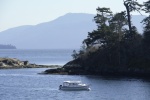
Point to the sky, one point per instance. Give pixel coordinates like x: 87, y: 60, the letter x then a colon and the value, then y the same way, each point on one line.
x: 14, y: 13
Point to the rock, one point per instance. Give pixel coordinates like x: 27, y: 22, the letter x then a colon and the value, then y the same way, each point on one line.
x: 2, y: 64
x: 26, y: 62
x: 6, y: 63
x: 55, y: 71
x: 70, y: 68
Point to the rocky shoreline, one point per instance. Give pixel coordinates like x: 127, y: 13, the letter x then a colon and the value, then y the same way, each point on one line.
x: 13, y: 63
x: 75, y: 68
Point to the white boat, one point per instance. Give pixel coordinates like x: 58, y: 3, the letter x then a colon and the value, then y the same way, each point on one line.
x: 74, y: 85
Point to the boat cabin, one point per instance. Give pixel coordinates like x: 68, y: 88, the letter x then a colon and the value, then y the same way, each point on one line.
x: 71, y: 83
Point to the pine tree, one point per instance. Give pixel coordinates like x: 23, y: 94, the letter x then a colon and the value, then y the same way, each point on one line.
x: 131, y: 5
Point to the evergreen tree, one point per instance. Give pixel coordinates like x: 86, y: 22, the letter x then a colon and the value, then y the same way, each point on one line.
x: 131, y: 5
x: 117, y: 24
x: 101, y: 34
x: 146, y: 35
x: 146, y: 21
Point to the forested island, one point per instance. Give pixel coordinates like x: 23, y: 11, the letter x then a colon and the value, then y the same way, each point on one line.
x: 115, y: 47
x: 9, y: 46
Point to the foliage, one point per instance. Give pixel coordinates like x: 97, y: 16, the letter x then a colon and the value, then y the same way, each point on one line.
x: 75, y: 54
x: 146, y: 35
x: 131, y: 5
x: 146, y: 21
x: 147, y: 6
x: 118, y: 49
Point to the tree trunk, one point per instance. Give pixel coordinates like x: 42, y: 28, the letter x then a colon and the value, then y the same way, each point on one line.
x: 129, y: 17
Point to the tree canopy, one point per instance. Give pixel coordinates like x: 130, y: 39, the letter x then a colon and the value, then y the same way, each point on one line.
x: 112, y: 45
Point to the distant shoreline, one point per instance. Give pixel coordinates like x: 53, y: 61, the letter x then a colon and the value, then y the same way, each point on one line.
x: 9, y: 46
x: 13, y: 63
x: 37, y: 66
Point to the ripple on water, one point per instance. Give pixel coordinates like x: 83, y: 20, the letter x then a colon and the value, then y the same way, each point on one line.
x: 25, y: 84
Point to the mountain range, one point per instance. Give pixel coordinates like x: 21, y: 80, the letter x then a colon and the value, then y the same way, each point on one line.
x: 65, y: 32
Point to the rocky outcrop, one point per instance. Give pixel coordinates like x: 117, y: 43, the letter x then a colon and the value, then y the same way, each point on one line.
x: 10, y: 63
x: 71, y: 68
x: 78, y: 67
x: 59, y: 71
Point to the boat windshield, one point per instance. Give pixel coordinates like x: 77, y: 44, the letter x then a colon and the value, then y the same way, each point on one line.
x: 71, y: 83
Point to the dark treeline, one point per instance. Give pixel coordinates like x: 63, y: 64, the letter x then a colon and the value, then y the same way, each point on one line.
x: 2, y: 46
x: 114, y: 47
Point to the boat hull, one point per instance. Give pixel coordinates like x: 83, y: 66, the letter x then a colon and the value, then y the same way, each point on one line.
x: 75, y: 88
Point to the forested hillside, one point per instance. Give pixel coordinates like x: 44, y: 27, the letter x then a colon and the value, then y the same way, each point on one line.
x: 113, y: 48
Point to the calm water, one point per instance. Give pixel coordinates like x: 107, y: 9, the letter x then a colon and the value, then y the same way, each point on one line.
x: 26, y: 84
x: 45, y: 57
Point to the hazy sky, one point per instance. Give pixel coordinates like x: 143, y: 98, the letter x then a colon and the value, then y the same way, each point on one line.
x: 15, y: 13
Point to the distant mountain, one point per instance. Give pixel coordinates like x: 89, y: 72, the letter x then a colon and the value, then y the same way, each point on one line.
x: 65, y: 32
